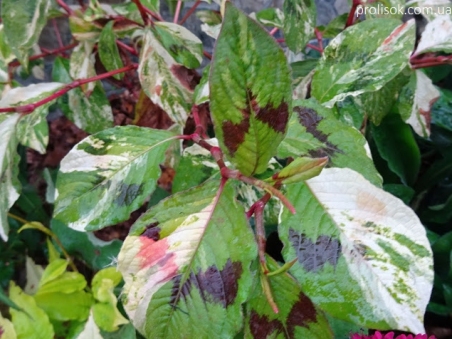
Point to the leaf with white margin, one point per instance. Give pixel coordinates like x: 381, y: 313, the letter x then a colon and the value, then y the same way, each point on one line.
x: 164, y: 80
x: 315, y: 131
x: 186, y: 265
x: 436, y: 36
x: 23, y: 21
x: 109, y: 175
x: 355, y: 63
x: 415, y: 102
x: 299, y: 23
x: 9, y: 169
x: 431, y: 9
x: 32, y: 129
x: 82, y: 64
x: 362, y: 255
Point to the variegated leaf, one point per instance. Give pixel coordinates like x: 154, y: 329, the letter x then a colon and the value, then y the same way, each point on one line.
x: 82, y: 64
x: 23, y: 22
x: 431, y: 9
x: 250, y: 102
x: 108, y: 50
x: 416, y: 101
x: 299, y: 22
x: 109, y: 175
x: 186, y: 265
x: 9, y: 169
x: 355, y: 63
x: 164, y: 80
x: 362, y: 254
x: 315, y: 131
x: 298, y: 317
x: 436, y: 37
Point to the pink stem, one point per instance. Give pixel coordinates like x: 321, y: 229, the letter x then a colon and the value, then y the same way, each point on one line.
x: 143, y: 12
x: 190, y: 12
x: 126, y: 47
x: 16, y: 63
x: 351, y: 14
x: 177, y: 12
x: 77, y: 83
x: 319, y: 37
x: 57, y: 33
x: 315, y: 47
x: 273, y: 31
x: 65, y: 7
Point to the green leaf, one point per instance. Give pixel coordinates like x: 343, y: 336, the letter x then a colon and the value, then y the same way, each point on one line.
x: 23, y: 22
x: 164, y: 80
x: 65, y: 306
x: 183, y: 46
x: 298, y: 317
x: 91, y: 112
x: 186, y: 265
x: 68, y: 282
x: 108, y: 175
x: 300, y: 169
x: 53, y: 271
x: 362, y: 254
x: 335, y: 27
x: 415, y: 102
x: 107, y: 316
x: 396, y: 144
x: 202, y: 93
x: 9, y: 169
x: 299, y: 23
x: 153, y: 5
x: 108, y: 50
x: 441, y: 112
x: 34, y: 324
x: 353, y: 63
x: 109, y: 273
x: 250, y: 102
x: 315, y: 131
x: 125, y: 332
x: 436, y: 37
x: 7, y: 301
x: 273, y: 17
x: 96, y: 253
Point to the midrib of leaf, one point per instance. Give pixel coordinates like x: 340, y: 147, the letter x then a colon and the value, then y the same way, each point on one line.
x: 190, y: 263
x: 123, y: 167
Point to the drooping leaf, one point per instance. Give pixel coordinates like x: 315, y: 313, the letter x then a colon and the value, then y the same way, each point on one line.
x: 299, y: 23
x: 34, y: 322
x: 109, y: 175
x: 250, y: 102
x: 298, y: 316
x: 186, y: 265
x: 362, y: 254
x: 91, y: 111
x: 354, y: 63
x: 183, y: 46
x: 415, y: 102
x: 23, y: 22
x: 315, y: 131
x: 166, y: 82
x: 9, y: 169
x: 108, y: 50
x: 300, y: 169
x: 396, y: 144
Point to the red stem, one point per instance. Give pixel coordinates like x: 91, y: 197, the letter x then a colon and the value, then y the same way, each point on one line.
x: 57, y: 33
x: 190, y: 12
x: 207, y: 55
x: 63, y: 5
x: 315, y: 48
x: 177, y: 12
x: 351, y: 14
x: 319, y: 37
x: 126, y: 47
x: 156, y: 16
x: 260, y: 233
x: 428, y: 60
x: 77, y: 83
x: 16, y: 63
x: 143, y: 12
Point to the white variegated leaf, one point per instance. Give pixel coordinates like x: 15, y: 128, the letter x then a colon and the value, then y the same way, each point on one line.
x: 299, y: 23
x: 82, y: 63
x: 9, y: 168
x: 436, y: 36
x: 362, y: 254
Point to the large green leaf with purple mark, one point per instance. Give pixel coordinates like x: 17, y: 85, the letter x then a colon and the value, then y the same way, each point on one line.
x: 354, y: 63
x: 249, y: 100
x: 299, y: 23
x: 108, y: 175
x: 298, y: 317
x: 187, y: 265
x: 362, y: 255
x: 315, y: 131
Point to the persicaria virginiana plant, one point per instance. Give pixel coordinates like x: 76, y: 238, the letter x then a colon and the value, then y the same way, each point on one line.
x: 268, y: 138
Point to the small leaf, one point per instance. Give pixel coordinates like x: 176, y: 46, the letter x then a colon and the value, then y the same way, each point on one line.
x: 9, y: 168
x: 298, y: 316
x: 362, y: 253
x: 23, y: 22
x: 250, y: 102
x: 108, y: 175
x: 415, y: 102
x: 34, y: 324
x: 353, y: 64
x: 315, y: 131
x: 299, y: 23
x: 186, y: 265
x: 53, y: 271
x: 300, y: 169
x: 108, y: 50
